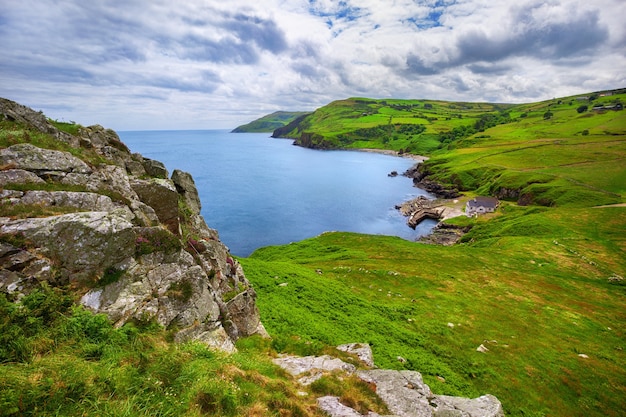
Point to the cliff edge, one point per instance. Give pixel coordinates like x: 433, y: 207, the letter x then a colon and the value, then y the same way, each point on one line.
x: 79, y: 211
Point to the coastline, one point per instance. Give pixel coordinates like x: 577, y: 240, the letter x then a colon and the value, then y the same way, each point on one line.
x: 418, y: 158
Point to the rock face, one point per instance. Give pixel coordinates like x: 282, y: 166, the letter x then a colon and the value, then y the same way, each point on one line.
x: 118, y: 231
x: 420, y: 176
x: 404, y: 392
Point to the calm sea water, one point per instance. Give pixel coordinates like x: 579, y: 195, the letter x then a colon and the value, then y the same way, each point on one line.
x: 259, y: 191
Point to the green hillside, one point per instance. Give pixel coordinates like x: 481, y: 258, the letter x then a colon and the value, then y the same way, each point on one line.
x: 269, y: 123
x: 539, y: 283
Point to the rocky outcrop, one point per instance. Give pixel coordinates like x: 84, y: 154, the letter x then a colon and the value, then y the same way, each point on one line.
x: 111, y: 226
x: 420, y: 176
x: 404, y: 392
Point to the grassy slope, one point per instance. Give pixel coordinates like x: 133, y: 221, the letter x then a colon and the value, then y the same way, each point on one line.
x: 61, y: 360
x: 268, y: 123
x: 337, y: 123
x: 530, y: 283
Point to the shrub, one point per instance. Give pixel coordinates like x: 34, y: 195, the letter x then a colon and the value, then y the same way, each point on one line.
x: 582, y: 109
x: 155, y: 239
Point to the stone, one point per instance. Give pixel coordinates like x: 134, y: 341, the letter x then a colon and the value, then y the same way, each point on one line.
x: 98, y: 250
x: 482, y: 348
x: 31, y: 158
x: 315, y: 366
x: 19, y: 176
x: 331, y: 406
x: 155, y: 169
x: 162, y: 196
x: 83, y: 201
x: 404, y: 392
x: 82, y: 243
x: 483, y: 406
x: 186, y: 187
x: 243, y: 313
x: 362, y: 350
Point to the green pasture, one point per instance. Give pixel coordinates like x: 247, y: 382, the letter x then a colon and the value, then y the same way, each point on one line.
x: 531, y: 285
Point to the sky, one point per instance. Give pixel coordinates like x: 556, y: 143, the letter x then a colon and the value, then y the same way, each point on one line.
x: 209, y: 64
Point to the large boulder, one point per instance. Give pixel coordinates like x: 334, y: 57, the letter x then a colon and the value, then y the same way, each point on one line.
x: 43, y: 162
x: 165, y: 287
x: 84, y: 244
x: 161, y: 195
x: 155, y: 168
x: 18, y: 176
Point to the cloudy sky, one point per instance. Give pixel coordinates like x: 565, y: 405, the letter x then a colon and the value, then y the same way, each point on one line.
x: 201, y: 64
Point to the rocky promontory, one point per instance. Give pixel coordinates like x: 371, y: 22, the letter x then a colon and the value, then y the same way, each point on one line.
x: 80, y: 211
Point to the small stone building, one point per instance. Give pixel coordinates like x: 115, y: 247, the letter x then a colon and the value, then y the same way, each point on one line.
x: 481, y: 205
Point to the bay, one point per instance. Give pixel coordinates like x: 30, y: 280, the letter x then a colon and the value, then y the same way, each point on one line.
x: 259, y: 191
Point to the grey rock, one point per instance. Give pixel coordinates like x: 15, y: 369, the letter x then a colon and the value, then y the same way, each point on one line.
x: 243, y: 312
x: 155, y: 168
x: 19, y: 176
x: 313, y: 366
x: 331, y: 406
x: 26, y: 116
x: 216, y: 337
x: 160, y: 280
x: 186, y: 187
x: 83, y: 243
x: 404, y: 392
x: 31, y: 158
x: 362, y: 350
x: 78, y: 200
x: 162, y: 196
x: 484, y: 406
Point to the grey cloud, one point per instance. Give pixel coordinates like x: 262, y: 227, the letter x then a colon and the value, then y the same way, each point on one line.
x: 553, y: 40
x: 417, y: 65
x: 309, y: 70
x: 225, y: 50
x: 265, y: 33
x: 492, y: 69
x: 243, y: 37
x: 481, y: 52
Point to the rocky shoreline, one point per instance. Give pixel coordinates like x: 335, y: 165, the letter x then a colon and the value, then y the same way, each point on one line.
x: 441, y: 208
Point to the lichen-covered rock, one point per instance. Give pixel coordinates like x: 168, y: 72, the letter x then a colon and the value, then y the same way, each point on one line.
x: 31, y: 158
x: 83, y: 243
x: 363, y: 351
x: 154, y: 168
x: 124, y: 250
x: 162, y: 196
x: 19, y: 176
x: 78, y: 200
x: 187, y: 189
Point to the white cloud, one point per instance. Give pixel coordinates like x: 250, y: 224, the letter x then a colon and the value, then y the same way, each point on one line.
x: 139, y: 64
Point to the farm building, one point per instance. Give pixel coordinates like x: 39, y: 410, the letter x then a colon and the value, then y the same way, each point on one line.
x: 481, y: 205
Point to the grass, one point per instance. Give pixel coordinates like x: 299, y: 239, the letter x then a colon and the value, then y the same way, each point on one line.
x: 529, y: 286
x: 59, y: 359
x: 530, y: 283
x: 12, y: 133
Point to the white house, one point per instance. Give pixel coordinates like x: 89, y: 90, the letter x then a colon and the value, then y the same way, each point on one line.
x: 481, y: 205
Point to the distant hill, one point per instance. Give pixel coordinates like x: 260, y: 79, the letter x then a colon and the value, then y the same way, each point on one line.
x: 270, y: 122
x: 424, y: 126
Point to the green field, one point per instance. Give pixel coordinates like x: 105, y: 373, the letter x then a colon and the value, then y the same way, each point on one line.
x: 531, y: 283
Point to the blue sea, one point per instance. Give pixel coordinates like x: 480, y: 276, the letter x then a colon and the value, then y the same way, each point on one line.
x: 259, y: 191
